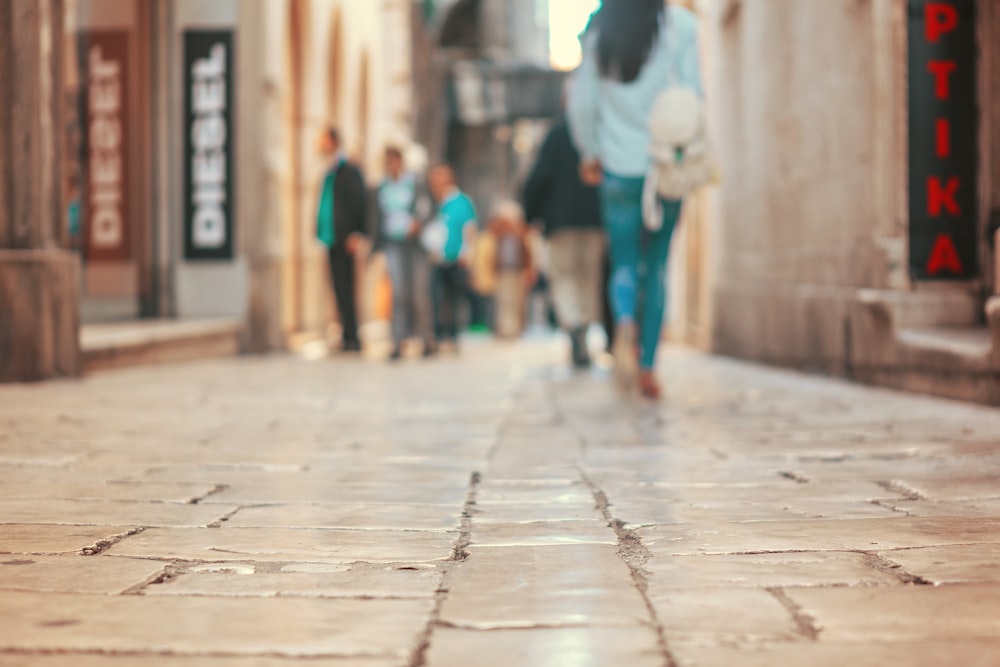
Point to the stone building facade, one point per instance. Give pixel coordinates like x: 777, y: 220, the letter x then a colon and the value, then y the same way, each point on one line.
x: 167, y: 161
x: 855, y: 226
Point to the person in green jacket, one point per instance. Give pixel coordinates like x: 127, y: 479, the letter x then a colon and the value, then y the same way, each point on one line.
x: 340, y: 226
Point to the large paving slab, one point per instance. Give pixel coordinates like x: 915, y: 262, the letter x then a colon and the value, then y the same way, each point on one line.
x: 110, y: 513
x: 336, y: 581
x: 770, y: 570
x: 828, y: 654
x: 823, y: 535
x: 911, y: 613
x: 76, y: 574
x: 967, y: 563
x: 711, y: 616
x: 531, y: 586
x: 23, y: 659
x: 362, y: 516
x: 635, y: 647
x: 288, y: 545
x: 57, y: 539
x: 193, y: 625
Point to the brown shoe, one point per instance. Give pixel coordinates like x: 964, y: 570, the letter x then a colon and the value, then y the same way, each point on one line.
x: 649, y: 386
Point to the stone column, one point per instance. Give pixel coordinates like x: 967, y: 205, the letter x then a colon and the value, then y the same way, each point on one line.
x: 39, y: 296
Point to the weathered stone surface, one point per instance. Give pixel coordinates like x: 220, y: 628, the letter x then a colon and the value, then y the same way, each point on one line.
x: 139, y: 491
x: 358, y: 581
x: 912, y: 613
x: 286, y: 544
x: 100, y: 660
x: 201, y: 625
x: 557, y: 646
x: 542, y: 533
x: 951, y: 565
x: 530, y: 586
x: 356, y: 516
x: 110, y: 513
x: 75, y: 574
x: 707, y: 615
x: 56, y: 539
x: 731, y: 472
x: 827, y: 654
x: 825, y: 535
x: 775, y: 570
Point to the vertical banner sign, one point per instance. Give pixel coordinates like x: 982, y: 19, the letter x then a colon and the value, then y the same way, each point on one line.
x: 106, y: 113
x: 943, y: 139
x: 208, y: 145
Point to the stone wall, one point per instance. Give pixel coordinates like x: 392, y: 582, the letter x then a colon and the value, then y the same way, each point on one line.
x: 806, y: 216
x: 39, y: 300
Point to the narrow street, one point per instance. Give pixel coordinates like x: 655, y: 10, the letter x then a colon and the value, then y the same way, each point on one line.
x: 491, y: 509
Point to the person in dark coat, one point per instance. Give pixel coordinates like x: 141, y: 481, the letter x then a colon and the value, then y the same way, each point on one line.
x: 340, y: 226
x: 571, y: 222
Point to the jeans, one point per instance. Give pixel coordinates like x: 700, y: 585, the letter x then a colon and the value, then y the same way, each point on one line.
x: 342, y: 277
x: 410, y: 273
x: 638, y: 285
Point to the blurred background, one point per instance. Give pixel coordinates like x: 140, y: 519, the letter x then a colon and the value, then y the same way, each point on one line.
x: 161, y: 175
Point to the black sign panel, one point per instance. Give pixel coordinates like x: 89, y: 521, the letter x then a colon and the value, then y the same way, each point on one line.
x: 943, y: 131
x: 106, y: 132
x: 209, y: 141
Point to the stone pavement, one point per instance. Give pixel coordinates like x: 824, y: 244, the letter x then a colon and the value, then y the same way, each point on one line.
x: 493, y: 510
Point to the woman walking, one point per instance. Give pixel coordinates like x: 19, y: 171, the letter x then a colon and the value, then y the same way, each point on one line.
x: 633, y: 50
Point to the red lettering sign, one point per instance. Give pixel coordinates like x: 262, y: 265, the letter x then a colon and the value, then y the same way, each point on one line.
x: 940, y: 18
x: 944, y: 257
x: 939, y: 197
x: 942, y: 138
x: 942, y: 70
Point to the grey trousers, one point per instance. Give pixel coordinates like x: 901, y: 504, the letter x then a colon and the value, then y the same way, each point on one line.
x: 576, y: 265
x: 410, y: 274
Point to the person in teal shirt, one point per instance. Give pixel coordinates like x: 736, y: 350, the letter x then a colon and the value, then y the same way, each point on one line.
x: 448, y: 241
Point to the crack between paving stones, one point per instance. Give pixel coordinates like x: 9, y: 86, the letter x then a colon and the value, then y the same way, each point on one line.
x: 169, y: 571
x: 903, y: 489
x: 804, y: 621
x: 796, y: 477
x: 882, y: 564
x: 101, y: 546
x: 219, y: 488
x: 223, y: 519
x: 459, y: 553
x: 634, y: 554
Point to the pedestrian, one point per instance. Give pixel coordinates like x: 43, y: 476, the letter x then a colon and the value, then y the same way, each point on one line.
x: 449, y: 239
x: 403, y: 205
x: 340, y: 226
x: 633, y: 50
x: 571, y: 222
x: 515, y: 270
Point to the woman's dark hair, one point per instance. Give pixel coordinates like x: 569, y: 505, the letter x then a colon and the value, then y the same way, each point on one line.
x: 627, y: 32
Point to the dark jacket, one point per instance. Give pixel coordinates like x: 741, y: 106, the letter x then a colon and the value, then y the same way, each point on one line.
x: 349, y: 208
x: 554, y: 192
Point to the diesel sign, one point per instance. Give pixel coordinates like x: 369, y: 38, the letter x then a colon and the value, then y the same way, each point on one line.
x: 208, y: 183
x: 106, y: 209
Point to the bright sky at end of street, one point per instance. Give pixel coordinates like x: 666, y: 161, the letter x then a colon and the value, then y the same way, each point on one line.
x: 567, y: 19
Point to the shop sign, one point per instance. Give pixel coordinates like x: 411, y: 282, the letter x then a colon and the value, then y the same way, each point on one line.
x: 208, y: 145
x: 106, y: 203
x: 943, y: 133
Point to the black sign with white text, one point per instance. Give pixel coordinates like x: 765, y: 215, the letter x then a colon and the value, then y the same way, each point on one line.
x: 208, y: 145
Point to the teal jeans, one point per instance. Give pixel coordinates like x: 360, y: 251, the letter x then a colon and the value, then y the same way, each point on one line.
x: 638, y: 284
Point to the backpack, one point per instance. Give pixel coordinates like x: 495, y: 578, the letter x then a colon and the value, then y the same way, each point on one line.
x: 682, y: 160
